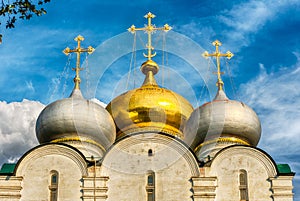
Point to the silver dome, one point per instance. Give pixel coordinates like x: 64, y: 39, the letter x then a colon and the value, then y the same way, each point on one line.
x: 78, y: 120
x: 222, y: 118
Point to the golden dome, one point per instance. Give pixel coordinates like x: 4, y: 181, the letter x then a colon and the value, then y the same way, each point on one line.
x: 150, y: 108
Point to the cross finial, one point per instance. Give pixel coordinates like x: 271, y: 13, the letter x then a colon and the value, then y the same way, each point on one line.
x: 218, y: 54
x: 149, y: 29
x: 78, y: 51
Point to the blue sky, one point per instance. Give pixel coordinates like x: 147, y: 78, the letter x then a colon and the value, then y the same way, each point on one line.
x: 264, y: 73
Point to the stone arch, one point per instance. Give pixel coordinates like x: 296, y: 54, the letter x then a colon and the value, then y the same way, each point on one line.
x: 261, y: 156
x: 51, y: 148
x: 168, y: 140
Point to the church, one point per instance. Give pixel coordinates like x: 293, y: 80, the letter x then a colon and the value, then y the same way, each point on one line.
x: 148, y: 144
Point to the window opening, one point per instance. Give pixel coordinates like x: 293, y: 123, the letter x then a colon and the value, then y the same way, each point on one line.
x: 243, y: 185
x: 150, y: 188
x: 150, y: 152
x: 53, y: 185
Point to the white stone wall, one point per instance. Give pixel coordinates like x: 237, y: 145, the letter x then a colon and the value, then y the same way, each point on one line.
x: 226, y: 167
x: 282, y: 187
x: 127, y: 165
x: 35, y: 169
x: 122, y: 175
x: 10, y: 188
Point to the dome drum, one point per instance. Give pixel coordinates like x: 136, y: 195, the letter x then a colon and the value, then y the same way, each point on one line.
x: 211, y: 147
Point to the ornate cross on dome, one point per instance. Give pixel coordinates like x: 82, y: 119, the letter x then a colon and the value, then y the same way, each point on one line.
x: 150, y: 28
x: 218, y: 54
x: 78, y: 51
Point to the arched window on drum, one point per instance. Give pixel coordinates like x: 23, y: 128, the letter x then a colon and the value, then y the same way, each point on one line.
x: 53, y: 187
x: 243, y: 185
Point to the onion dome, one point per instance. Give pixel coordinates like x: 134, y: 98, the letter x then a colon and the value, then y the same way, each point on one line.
x: 81, y: 123
x: 221, y: 122
x: 150, y: 108
x: 76, y: 121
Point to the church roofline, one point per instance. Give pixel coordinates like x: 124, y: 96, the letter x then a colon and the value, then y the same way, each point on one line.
x: 161, y: 133
x: 7, y: 169
x: 285, y: 170
x: 279, y: 171
x: 41, y: 145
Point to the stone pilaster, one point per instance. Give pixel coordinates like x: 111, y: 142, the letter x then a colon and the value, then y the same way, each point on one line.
x: 204, y: 188
x: 94, y: 188
x: 10, y: 188
x: 282, y: 187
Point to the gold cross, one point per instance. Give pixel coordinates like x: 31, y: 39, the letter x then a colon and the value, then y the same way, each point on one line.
x: 78, y: 51
x: 150, y: 28
x: 218, y: 54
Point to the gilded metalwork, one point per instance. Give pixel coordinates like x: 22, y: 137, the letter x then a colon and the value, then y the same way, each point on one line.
x: 149, y: 68
x: 218, y: 54
x: 78, y: 139
x: 228, y: 140
x: 149, y: 28
x: 151, y: 107
x: 78, y: 51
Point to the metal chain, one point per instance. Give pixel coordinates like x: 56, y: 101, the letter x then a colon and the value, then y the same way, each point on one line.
x: 167, y: 60
x: 207, y: 76
x: 63, y: 74
x: 87, y: 74
x: 163, y: 60
x: 234, y: 90
x: 141, y: 40
x: 134, y: 62
x: 131, y: 60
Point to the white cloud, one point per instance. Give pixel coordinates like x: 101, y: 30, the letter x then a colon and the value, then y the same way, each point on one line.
x: 17, y: 128
x: 30, y: 86
x: 276, y: 99
x: 196, y: 30
x: 249, y: 17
